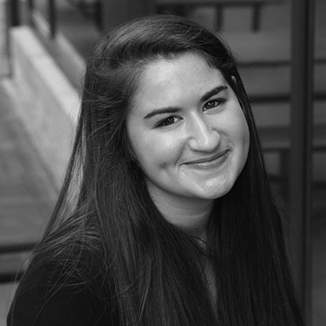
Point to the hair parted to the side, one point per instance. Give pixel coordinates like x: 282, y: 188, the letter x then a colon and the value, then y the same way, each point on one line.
x: 105, y: 215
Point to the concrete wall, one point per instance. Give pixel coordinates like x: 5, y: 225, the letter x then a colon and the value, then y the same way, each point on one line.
x: 46, y: 101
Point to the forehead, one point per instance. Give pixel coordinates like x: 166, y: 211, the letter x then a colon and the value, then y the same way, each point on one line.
x: 165, y: 64
x: 189, y: 72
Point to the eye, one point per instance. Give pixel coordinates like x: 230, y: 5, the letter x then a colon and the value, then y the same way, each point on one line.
x: 213, y: 104
x: 167, y: 121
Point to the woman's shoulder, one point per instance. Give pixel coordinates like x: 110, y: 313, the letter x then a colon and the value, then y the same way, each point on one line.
x: 54, y: 293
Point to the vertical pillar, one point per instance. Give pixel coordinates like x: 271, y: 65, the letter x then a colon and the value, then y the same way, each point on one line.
x: 301, y: 148
x: 52, y: 18
x: 30, y: 9
x: 14, y: 12
x: 115, y: 12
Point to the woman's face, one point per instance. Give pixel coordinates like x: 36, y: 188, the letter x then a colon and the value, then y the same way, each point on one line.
x: 187, y: 130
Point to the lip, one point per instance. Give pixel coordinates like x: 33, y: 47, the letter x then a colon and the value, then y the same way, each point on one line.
x: 209, y: 162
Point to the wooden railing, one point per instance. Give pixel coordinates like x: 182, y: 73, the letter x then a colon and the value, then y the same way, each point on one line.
x: 277, y: 140
x: 182, y: 6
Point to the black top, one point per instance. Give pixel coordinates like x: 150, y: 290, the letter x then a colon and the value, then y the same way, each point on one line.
x: 40, y: 302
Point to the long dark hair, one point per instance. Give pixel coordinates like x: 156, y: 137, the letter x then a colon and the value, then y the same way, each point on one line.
x: 105, y: 227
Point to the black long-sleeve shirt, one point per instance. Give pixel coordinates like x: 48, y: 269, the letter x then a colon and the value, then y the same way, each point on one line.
x: 40, y: 301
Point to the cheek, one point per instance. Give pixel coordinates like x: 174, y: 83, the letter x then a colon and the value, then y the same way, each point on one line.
x: 240, y: 128
x: 245, y: 134
x: 152, y: 153
x: 244, y: 141
x: 239, y: 135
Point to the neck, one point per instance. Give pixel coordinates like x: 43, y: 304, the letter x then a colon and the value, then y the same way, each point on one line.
x: 190, y: 214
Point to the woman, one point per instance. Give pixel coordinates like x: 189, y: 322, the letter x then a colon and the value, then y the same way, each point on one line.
x: 165, y: 216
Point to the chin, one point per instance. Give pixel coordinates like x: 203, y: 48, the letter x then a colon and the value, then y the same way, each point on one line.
x: 217, y: 191
x: 207, y: 195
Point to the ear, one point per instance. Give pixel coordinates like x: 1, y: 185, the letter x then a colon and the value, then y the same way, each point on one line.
x: 234, y: 80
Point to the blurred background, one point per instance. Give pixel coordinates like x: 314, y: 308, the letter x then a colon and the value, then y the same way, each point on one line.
x: 43, y: 48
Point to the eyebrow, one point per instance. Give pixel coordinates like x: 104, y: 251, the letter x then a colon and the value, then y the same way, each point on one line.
x: 212, y: 92
x: 172, y: 109
x: 162, y: 111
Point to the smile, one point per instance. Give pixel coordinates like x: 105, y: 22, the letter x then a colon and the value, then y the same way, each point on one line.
x: 210, y: 162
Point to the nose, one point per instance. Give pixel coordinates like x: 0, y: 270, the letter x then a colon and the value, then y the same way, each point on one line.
x: 202, y: 135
